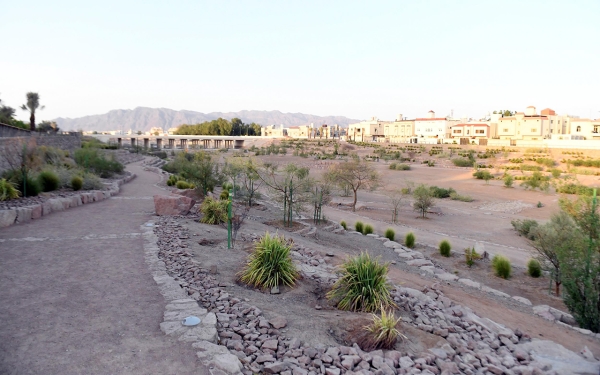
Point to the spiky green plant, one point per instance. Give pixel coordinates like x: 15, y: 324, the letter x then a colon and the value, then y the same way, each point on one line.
x: 8, y: 190
x: 214, y: 211
x: 471, y: 256
x: 358, y: 226
x: 445, y: 248
x: 390, y: 234
x: 363, y: 285
x: 48, y: 181
x: 270, y: 264
x: 534, y: 269
x: 344, y: 225
x: 182, y: 185
x: 76, y: 183
x: 501, y: 266
x: 367, y: 229
x: 409, y: 241
x: 383, y: 331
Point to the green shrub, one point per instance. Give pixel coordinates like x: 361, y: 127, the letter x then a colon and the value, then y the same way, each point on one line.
x: 29, y: 188
x: 471, y: 256
x: 462, y: 162
x: 214, y: 211
x: 169, y: 182
x: 363, y: 285
x: 390, y: 234
x: 445, y: 248
x: 358, y: 226
x: 92, y: 160
x: 8, y: 190
x: 270, y: 264
x: 224, y: 195
x: 76, y: 183
x: 555, y: 172
x: 344, y: 225
x: 525, y: 228
x: 382, y: 332
x: 227, y: 186
x: 393, y: 166
x: 441, y: 193
x: 409, y: 240
x: 48, y: 181
x: 92, y: 182
x: 368, y: 229
x: 508, y: 180
x: 403, y: 167
x: 182, y: 185
x: 463, y: 198
x: 483, y: 175
x: 534, y: 269
x: 501, y: 266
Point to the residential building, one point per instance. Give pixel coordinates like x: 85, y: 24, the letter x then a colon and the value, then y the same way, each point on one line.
x: 156, y: 131
x: 558, y: 124
x: 584, y: 128
x: 273, y: 131
x: 432, y: 127
x: 526, y: 125
x: 367, y: 131
x: 473, y: 130
x: 399, y: 130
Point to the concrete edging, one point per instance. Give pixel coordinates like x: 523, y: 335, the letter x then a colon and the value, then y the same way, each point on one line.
x: 24, y: 214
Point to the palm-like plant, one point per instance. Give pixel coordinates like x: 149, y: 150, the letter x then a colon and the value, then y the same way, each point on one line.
x: 383, y: 331
x: 32, y: 105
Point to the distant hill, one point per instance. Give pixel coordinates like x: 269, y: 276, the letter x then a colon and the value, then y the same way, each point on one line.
x: 142, y: 119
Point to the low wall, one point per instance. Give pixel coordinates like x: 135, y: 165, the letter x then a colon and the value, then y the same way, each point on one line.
x: 548, y: 143
x: 12, y: 131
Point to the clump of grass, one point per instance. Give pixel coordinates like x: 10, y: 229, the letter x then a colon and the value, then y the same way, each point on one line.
x: 270, y: 264
x: 367, y: 229
x: 224, y: 195
x: 390, y: 234
x: 382, y: 332
x: 48, y: 181
x: 525, y: 228
x: 182, y: 185
x: 344, y: 225
x: 501, y: 266
x: 8, y: 190
x: 463, y: 198
x: 363, y: 285
x: 534, y: 269
x: 445, y: 248
x: 76, y: 183
x: 409, y: 240
x: 471, y: 256
x: 358, y: 226
x: 214, y: 211
x: 508, y: 180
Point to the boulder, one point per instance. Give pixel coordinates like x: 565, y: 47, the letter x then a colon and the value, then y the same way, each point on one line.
x: 523, y: 300
x: 7, y: 217
x: 172, y: 205
x: 36, y: 211
x: 190, y: 193
x: 23, y: 214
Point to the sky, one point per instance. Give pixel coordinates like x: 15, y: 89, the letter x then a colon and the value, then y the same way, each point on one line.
x: 349, y: 58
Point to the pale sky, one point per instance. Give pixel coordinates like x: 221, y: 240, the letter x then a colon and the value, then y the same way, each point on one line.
x: 348, y: 58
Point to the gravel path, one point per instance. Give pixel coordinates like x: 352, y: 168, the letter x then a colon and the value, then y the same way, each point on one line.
x: 76, y: 296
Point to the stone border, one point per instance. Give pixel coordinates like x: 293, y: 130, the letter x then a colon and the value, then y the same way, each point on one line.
x: 179, y: 305
x: 24, y: 214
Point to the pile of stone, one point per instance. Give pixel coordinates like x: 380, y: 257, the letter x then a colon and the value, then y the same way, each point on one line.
x: 474, y: 345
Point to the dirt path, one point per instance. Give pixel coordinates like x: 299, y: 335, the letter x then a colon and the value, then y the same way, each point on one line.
x: 76, y: 295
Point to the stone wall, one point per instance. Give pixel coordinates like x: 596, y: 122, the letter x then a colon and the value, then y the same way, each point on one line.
x: 11, y: 145
x: 11, y: 131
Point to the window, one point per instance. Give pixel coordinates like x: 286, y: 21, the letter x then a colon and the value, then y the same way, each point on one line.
x: 468, y: 132
x: 578, y: 128
x: 505, y: 130
x: 457, y: 131
x: 552, y: 121
x: 533, y: 130
x: 596, y: 129
x: 481, y: 131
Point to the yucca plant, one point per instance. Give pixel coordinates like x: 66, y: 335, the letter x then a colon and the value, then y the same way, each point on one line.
x: 390, y: 234
x: 363, y: 285
x: 367, y: 229
x: 383, y: 331
x: 270, y: 264
x: 214, y: 211
x: 471, y: 256
x: 8, y: 190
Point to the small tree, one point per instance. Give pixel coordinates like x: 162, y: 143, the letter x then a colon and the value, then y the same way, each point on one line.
x: 396, y: 198
x: 508, y: 180
x: 356, y: 174
x: 32, y: 105
x: 423, y: 199
x: 203, y: 171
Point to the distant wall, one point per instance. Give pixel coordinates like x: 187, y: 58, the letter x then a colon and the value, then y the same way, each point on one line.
x: 12, y: 131
x: 11, y: 145
x: 548, y: 143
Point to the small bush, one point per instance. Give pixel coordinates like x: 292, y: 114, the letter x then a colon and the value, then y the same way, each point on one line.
x: 508, y: 180
x: 270, y: 264
x: 169, y: 182
x: 390, y: 234
x: 214, y: 211
x: 344, y: 225
x: 393, y: 166
x: 534, y: 269
x: 363, y: 285
x: 463, y: 198
x: 471, y: 256
x: 76, y: 183
x: 525, y: 228
x: 92, y: 182
x: 441, y: 193
x: 462, y: 162
x: 501, y: 266
x: 8, y: 190
x: 368, y: 229
x: 30, y: 187
x: 403, y: 167
x: 48, y: 181
x: 358, y: 226
x: 409, y: 240
x: 182, y: 185
x: 445, y: 248
x: 224, y: 195
x: 92, y: 160
x: 382, y: 332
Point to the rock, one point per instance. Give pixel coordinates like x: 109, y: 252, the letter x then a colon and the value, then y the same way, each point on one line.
x: 23, y: 214
x: 275, y: 290
x: 278, y: 322
x: 270, y: 344
x: 7, y: 218
x: 523, y: 300
x: 494, y: 292
x: 332, y: 371
x: 36, y: 211
x: 439, y: 353
x: 469, y: 282
x: 405, y: 362
x: 391, y: 244
x: 546, y: 353
x: 228, y: 363
x: 587, y: 354
x: 276, y: 367
x: 172, y: 205
x: 495, y: 369
x: 419, y: 262
x: 447, y: 276
x: 377, y: 361
x: 264, y: 358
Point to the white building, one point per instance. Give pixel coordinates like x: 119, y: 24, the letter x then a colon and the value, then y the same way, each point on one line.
x: 432, y: 127
x: 367, y: 131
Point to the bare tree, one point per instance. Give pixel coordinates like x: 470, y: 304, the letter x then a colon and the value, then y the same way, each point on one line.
x: 396, y: 198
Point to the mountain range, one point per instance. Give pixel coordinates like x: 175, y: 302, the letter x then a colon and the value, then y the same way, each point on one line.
x: 142, y: 119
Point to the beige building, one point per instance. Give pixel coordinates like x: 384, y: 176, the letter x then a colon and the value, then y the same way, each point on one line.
x: 399, y: 131
x: 473, y: 130
x: 367, y: 131
x: 155, y: 130
x: 584, y: 128
x: 273, y: 131
x: 526, y: 125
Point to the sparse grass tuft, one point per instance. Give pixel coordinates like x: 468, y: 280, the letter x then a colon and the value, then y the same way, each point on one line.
x: 471, y: 256
x: 382, y: 332
x: 390, y: 234
x: 8, y: 190
x: 358, y: 226
x: 409, y: 240
x: 214, y: 211
x: 367, y: 229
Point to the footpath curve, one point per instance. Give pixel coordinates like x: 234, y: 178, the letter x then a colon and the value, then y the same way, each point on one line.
x: 77, y: 296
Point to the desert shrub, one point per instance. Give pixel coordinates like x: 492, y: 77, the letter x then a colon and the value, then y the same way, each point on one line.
x: 545, y: 161
x: 224, y: 195
x: 29, y: 186
x: 214, y: 211
x: 534, y: 269
x: 92, y: 182
x: 393, y: 166
x: 409, y: 240
x: 531, y: 168
x: 555, y: 172
x: 525, y: 227
x: 471, y: 256
x: 48, y: 181
x: 358, y: 226
x: 575, y: 188
x: 227, y: 186
x: 8, y: 190
x: 461, y: 162
x: 76, y: 183
x: 463, y: 198
x: 169, y: 182
x: 501, y: 266
x: 390, y: 234
x: 508, y: 180
x: 441, y: 193
x: 270, y: 264
x: 367, y: 229
x: 382, y: 332
x: 91, y: 159
x: 483, y: 175
x: 363, y: 285
x: 403, y: 167
x: 344, y: 225
x: 445, y: 248
x: 182, y: 185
